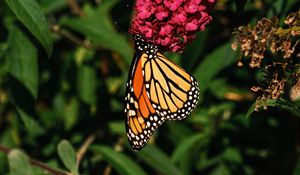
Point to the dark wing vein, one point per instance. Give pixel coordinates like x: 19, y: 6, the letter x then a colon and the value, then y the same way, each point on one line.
x: 163, y: 60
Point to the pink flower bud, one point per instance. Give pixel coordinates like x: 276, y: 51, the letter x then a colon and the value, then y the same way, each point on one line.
x: 193, y: 25
x: 170, y: 24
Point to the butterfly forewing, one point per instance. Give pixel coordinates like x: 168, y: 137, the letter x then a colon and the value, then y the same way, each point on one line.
x: 172, y: 91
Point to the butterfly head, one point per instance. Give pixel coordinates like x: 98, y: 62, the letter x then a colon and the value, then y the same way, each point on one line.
x: 145, y: 46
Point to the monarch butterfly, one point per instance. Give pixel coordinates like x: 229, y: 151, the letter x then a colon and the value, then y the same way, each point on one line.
x: 157, y: 90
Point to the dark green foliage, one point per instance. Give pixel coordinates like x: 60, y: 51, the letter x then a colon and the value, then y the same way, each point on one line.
x: 63, y: 69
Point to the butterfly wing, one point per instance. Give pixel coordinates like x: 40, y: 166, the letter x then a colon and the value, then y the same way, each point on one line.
x: 172, y: 92
x: 157, y: 90
x: 140, y: 115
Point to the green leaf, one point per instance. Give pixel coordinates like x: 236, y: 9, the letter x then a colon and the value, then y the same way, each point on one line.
x: 22, y: 60
x: 98, y: 27
x: 206, y: 161
x: 158, y: 160
x: 23, y: 76
x: 220, y: 170
x: 280, y: 103
x: 31, y: 15
x: 185, y: 146
x: 68, y: 156
x: 186, y: 163
x: 19, y: 163
x: 287, y: 7
x: 177, y: 132
x: 70, y: 114
x: 205, y: 116
x: 175, y: 57
x: 232, y: 155
x: 276, y: 8
x: 184, y: 156
x: 219, y: 88
x: 122, y: 164
x: 33, y: 127
x: 52, y: 6
x: 296, y: 170
x: 86, y: 78
x: 117, y: 127
x: 86, y: 84
x: 212, y: 65
x: 115, y: 104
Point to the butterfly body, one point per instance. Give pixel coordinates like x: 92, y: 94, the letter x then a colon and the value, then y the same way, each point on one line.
x: 157, y: 90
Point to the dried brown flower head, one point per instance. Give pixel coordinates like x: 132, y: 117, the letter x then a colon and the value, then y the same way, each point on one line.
x: 283, y: 44
x: 253, y: 42
x: 295, y: 91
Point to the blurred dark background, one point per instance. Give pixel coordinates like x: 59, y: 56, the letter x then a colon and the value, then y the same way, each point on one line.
x: 77, y: 93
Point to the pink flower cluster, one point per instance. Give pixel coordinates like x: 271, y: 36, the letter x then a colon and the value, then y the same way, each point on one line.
x: 170, y: 24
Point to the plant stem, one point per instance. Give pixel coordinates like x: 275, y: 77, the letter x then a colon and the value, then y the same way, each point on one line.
x: 75, y: 8
x: 282, y: 31
x: 73, y: 38
x: 83, y: 148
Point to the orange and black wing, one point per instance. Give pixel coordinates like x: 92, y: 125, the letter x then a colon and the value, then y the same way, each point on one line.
x: 157, y: 90
x: 173, y: 93
x: 141, y: 117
